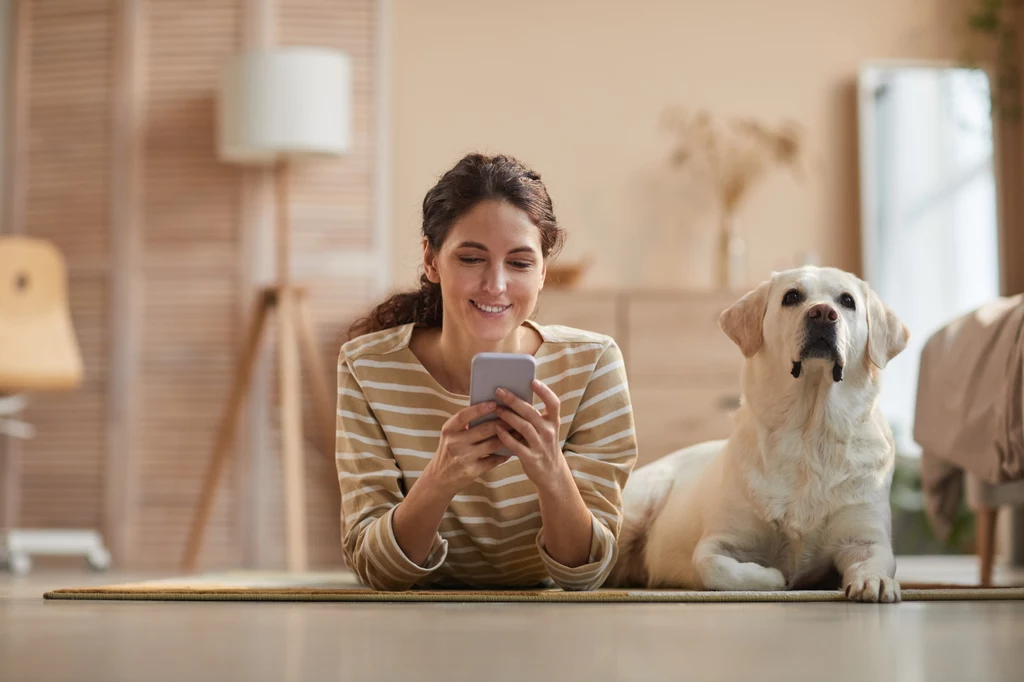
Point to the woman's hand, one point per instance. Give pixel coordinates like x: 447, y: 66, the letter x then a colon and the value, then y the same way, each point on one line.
x: 537, y: 445
x: 533, y: 438
x: 464, y: 453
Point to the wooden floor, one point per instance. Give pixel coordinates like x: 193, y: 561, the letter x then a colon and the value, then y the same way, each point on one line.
x: 114, y: 641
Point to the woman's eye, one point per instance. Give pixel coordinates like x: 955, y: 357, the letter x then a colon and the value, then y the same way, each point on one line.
x: 847, y: 302
x: 792, y: 297
x: 521, y: 264
x: 470, y: 260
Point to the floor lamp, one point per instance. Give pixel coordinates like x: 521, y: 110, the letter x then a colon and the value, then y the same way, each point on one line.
x: 276, y: 107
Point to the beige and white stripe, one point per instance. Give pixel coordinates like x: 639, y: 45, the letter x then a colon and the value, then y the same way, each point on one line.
x: 390, y: 412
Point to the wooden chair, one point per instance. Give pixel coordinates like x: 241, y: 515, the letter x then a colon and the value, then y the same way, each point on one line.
x: 985, y: 499
x: 38, y: 350
x: 38, y: 353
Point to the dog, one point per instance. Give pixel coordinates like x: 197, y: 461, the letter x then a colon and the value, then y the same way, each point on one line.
x: 798, y: 495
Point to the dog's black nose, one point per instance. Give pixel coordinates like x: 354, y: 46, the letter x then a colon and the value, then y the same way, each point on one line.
x: 822, y: 313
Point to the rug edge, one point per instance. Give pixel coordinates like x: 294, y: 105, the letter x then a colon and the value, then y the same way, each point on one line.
x: 554, y: 596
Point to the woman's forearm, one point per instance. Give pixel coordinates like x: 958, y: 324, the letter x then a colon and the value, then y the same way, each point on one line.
x: 568, y: 529
x: 418, y: 516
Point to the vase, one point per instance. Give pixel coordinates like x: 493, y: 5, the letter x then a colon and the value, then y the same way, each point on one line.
x: 731, y: 257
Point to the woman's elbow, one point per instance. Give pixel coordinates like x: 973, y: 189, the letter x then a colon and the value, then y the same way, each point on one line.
x: 369, y: 576
x: 366, y: 571
x: 588, y: 586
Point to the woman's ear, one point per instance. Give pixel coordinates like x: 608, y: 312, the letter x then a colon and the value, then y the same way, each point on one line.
x: 430, y: 263
x: 543, y: 274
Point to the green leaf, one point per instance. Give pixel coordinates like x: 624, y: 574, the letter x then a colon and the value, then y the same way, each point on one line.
x: 983, y: 22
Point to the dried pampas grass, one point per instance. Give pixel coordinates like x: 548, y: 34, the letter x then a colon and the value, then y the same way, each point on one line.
x: 738, y: 153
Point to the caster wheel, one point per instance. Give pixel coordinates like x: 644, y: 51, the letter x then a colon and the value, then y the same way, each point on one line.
x: 20, y: 564
x: 99, y: 560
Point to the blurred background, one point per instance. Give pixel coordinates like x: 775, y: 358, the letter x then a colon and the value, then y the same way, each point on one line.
x: 691, y: 148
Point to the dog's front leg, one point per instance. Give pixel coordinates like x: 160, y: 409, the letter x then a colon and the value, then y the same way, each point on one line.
x: 862, y: 554
x: 719, y: 571
x: 868, y: 569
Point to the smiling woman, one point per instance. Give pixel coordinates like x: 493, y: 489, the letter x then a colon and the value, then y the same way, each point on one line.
x: 425, y: 499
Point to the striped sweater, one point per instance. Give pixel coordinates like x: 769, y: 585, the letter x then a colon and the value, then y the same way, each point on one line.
x: 390, y: 413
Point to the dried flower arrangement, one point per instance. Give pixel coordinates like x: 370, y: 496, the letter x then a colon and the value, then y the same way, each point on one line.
x: 736, y: 154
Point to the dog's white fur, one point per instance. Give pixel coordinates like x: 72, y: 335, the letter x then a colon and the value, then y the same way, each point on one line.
x: 801, y: 487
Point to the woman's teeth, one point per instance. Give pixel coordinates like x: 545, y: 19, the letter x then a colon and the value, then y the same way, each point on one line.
x: 491, y: 308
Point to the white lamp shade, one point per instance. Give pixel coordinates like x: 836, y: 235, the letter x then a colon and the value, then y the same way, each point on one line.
x: 284, y: 102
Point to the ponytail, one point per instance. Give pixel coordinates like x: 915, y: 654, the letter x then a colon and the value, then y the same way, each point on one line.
x: 421, y: 306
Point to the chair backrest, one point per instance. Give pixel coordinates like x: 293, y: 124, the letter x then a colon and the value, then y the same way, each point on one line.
x: 38, y: 349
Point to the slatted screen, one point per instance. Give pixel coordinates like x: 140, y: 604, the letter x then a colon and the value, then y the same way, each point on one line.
x: 66, y: 181
x: 187, y: 285
x: 189, y: 327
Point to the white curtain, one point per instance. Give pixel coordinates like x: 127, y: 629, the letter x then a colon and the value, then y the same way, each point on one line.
x: 936, y: 241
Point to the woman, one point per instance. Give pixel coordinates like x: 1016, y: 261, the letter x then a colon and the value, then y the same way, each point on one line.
x: 425, y: 499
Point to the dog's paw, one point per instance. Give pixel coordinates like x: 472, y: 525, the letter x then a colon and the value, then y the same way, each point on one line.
x: 765, y: 579
x: 723, y: 573
x: 874, y: 589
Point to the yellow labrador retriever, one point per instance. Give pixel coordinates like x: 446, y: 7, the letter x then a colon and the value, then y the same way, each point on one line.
x: 799, y: 492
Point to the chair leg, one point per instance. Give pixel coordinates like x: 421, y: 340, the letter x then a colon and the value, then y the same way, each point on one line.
x: 987, y: 542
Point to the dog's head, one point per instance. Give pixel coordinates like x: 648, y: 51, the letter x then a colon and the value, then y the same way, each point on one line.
x: 811, y: 315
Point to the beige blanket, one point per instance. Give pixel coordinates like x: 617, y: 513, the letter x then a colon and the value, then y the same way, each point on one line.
x: 969, y: 405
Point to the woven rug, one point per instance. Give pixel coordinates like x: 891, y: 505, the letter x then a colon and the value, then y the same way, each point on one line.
x: 342, y: 587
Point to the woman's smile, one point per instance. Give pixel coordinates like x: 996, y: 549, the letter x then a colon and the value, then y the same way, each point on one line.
x: 491, y: 311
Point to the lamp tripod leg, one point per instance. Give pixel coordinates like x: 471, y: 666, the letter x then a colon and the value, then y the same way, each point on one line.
x: 291, y: 432
x: 225, y: 433
x: 324, y: 405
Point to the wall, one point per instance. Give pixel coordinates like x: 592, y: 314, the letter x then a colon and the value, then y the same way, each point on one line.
x: 167, y: 249
x: 5, y: 13
x: 577, y: 94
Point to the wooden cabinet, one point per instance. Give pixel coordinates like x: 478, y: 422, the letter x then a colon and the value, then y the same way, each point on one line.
x: 683, y: 371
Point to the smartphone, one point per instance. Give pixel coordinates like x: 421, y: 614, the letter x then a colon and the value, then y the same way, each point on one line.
x: 491, y: 371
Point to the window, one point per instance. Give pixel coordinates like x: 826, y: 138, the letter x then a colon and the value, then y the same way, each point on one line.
x: 930, y: 224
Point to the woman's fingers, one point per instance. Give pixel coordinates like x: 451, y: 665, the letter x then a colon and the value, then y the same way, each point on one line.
x: 479, y: 432
x: 550, y: 399
x: 483, y: 448
x: 523, y: 427
x: 515, y: 447
x: 525, y: 410
x: 461, y: 419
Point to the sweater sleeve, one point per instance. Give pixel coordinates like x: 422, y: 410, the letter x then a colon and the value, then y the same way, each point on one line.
x: 601, y: 451
x: 371, y: 490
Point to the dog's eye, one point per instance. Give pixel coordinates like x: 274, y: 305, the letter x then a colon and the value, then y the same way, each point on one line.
x: 847, y: 302
x: 792, y: 297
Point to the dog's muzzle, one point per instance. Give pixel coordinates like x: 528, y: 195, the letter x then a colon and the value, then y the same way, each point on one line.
x: 820, y: 342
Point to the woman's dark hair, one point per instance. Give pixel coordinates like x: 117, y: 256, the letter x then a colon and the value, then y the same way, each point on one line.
x: 474, y: 178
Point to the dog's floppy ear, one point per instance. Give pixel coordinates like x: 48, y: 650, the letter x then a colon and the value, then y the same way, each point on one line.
x: 887, y: 335
x: 743, y: 319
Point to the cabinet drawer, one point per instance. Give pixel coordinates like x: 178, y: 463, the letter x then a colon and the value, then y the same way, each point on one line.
x: 668, y: 419
x: 673, y: 339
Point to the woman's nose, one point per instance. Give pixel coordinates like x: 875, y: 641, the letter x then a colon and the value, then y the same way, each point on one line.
x: 494, y: 281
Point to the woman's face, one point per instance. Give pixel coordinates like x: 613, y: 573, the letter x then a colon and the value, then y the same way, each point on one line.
x: 490, y: 269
